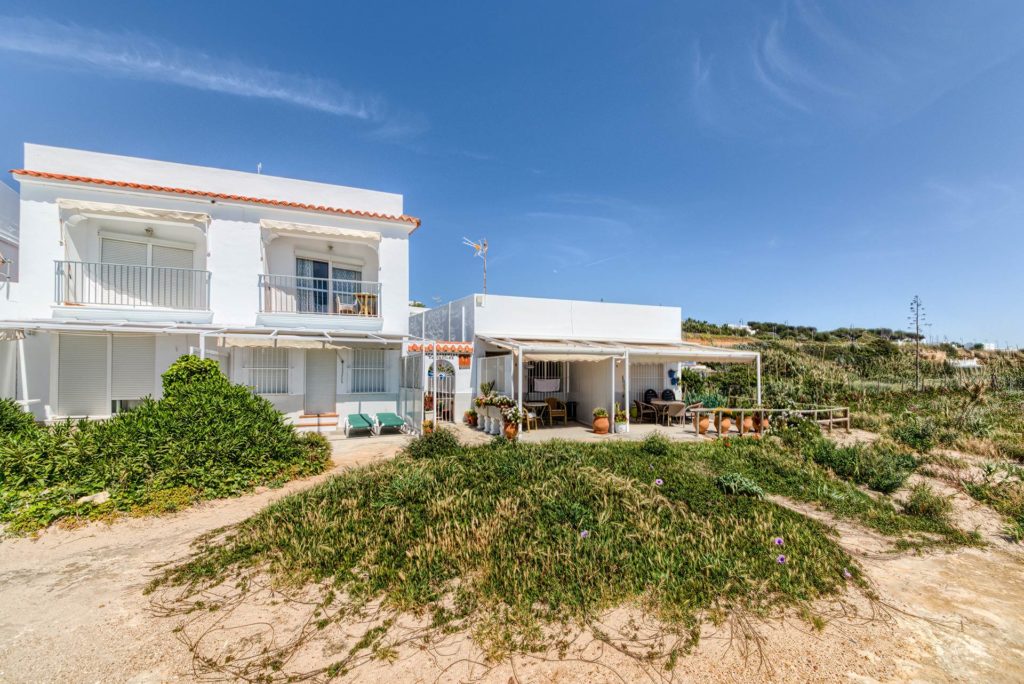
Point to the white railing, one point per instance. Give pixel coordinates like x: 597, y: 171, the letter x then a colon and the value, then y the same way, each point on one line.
x: 328, y: 296
x: 92, y: 283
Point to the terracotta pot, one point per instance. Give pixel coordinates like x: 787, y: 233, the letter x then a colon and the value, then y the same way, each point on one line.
x: 748, y: 424
x: 761, y: 423
x: 511, y: 431
x: 471, y: 420
x: 722, y: 424
x: 601, y: 425
x: 703, y: 424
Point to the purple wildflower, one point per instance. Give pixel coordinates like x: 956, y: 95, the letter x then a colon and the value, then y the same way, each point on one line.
x: 584, y: 534
x: 847, y: 574
x: 781, y: 560
x: 659, y: 482
x: 778, y: 541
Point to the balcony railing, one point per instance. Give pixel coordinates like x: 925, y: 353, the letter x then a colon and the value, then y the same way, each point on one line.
x: 327, y: 296
x: 90, y: 283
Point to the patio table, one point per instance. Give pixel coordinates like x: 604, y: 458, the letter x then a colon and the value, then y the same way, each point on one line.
x: 662, y: 406
x: 539, y: 407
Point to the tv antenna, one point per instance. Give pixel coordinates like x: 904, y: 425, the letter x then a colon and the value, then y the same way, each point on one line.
x: 480, y: 250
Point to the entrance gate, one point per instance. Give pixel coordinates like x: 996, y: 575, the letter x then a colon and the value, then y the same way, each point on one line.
x: 441, y: 391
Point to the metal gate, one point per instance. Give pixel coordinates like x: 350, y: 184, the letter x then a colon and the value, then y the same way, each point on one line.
x: 441, y: 391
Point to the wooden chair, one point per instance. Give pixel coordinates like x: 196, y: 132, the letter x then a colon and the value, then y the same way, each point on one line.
x: 529, y: 417
x: 556, y: 409
x: 643, y: 409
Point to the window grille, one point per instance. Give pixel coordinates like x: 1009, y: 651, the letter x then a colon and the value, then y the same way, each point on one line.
x: 369, y: 374
x: 268, y: 372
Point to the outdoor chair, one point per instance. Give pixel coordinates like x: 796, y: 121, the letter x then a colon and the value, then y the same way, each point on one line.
x: 341, y: 307
x: 644, y: 411
x: 529, y: 417
x: 357, y: 421
x: 556, y: 409
x: 675, y: 412
x: 689, y: 410
x: 389, y: 421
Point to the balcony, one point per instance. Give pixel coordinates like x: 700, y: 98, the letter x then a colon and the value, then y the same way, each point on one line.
x: 80, y: 283
x: 281, y: 294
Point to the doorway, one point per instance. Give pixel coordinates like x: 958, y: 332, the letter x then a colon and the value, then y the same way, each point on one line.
x: 321, y: 381
x: 442, y: 377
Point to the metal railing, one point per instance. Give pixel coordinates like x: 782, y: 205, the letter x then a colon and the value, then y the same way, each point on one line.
x: 92, y: 283
x: 327, y: 296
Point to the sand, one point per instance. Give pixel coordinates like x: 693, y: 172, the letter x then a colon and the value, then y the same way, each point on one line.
x: 72, y: 609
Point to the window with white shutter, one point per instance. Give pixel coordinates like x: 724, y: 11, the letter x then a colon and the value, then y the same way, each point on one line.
x: 132, y: 366
x: 82, y: 365
x: 369, y: 372
x: 122, y: 274
x: 268, y: 370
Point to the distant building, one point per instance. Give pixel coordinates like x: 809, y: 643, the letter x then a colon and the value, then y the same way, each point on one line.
x: 965, y: 364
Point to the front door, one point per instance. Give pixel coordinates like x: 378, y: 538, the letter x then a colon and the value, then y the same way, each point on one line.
x: 321, y: 382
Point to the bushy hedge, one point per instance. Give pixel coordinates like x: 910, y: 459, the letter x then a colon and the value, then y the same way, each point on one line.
x: 205, y: 438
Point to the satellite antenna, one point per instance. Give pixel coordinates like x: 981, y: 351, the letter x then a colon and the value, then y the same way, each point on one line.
x: 480, y: 250
x: 259, y: 167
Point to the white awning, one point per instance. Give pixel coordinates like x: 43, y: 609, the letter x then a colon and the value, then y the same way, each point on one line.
x: 9, y: 335
x: 79, y: 207
x: 277, y: 228
x: 598, y: 350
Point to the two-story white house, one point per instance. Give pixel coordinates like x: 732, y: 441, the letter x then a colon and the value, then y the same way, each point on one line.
x: 299, y: 289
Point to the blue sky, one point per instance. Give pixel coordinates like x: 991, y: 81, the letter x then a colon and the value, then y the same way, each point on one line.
x: 816, y: 163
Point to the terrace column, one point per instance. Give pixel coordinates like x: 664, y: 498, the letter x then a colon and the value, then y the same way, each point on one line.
x: 611, y: 412
x: 625, y: 390
x: 757, y: 363
x: 519, y: 382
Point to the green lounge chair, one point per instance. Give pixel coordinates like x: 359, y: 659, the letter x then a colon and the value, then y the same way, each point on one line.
x: 357, y: 421
x: 391, y: 421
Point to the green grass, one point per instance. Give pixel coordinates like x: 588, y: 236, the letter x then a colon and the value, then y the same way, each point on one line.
x: 504, y: 539
x: 1001, y: 486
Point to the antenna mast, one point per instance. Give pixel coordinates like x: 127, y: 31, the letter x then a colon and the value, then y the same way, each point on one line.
x: 480, y: 250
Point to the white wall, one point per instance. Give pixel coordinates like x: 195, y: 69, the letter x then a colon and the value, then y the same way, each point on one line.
x: 234, y: 251
x: 562, y: 318
x: 9, y: 211
x: 590, y: 387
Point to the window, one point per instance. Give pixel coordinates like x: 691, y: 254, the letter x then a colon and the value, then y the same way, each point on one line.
x: 268, y: 371
x: 325, y: 287
x: 368, y: 371
x: 101, y: 374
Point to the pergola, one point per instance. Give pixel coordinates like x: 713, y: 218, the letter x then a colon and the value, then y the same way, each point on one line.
x: 628, y: 351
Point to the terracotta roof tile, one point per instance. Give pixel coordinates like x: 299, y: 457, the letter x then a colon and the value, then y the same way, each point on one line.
x: 415, y: 222
x: 443, y: 347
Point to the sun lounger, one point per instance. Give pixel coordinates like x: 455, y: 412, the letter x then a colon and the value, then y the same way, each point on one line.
x: 357, y: 421
x: 389, y: 421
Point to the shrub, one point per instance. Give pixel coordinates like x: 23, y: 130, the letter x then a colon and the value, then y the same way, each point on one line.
x: 925, y: 503
x: 916, y: 432
x: 440, y: 442
x: 14, y: 420
x: 878, y: 466
x: 738, y: 485
x: 206, y: 436
x: 656, y: 444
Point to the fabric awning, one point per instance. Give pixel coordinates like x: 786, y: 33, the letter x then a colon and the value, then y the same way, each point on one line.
x: 599, y: 350
x: 277, y: 228
x: 71, y: 207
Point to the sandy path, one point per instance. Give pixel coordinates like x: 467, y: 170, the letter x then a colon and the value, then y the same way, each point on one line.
x: 72, y: 610
x: 71, y: 603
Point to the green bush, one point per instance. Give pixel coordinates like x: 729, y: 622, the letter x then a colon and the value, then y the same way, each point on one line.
x: 916, y: 432
x: 206, y: 436
x: 878, y: 466
x: 925, y: 503
x: 440, y: 442
x: 656, y: 444
x: 736, y: 484
x: 14, y: 420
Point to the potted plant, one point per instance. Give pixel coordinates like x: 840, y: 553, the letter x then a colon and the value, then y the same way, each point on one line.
x: 703, y: 423
x: 600, y: 421
x: 470, y: 417
x: 512, y: 417
x: 620, y: 419
x: 428, y: 427
x: 428, y: 402
x: 723, y: 421
x: 761, y: 422
x: 748, y: 423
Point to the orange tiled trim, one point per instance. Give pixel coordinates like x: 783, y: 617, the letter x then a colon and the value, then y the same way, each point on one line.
x: 415, y: 222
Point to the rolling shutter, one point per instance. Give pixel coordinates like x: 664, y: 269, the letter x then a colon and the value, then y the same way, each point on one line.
x: 132, y: 366
x: 171, y: 257
x: 172, y: 285
x: 123, y: 272
x: 82, y: 375
x: 124, y: 252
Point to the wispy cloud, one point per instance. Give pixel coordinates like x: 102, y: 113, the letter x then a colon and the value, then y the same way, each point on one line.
x: 136, y: 56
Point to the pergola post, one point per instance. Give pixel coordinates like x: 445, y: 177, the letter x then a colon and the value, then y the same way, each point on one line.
x: 625, y: 390
x: 519, y: 382
x: 757, y: 363
x: 612, y: 407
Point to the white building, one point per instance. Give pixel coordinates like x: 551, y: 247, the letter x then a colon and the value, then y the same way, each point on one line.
x: 586, y: 354
x: 299, y: 289
x: 8, y: 234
